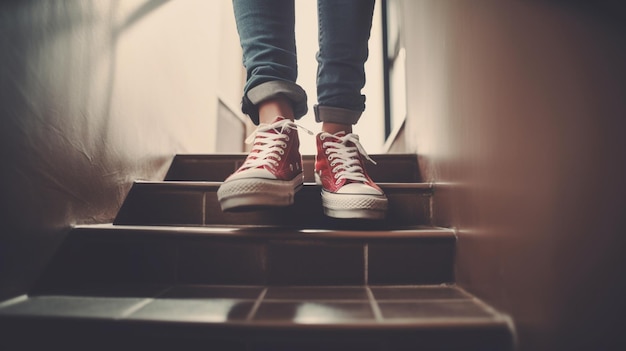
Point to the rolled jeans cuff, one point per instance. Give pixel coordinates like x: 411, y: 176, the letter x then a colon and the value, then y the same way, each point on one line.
x: 336, y: 115
x: 271, y: 89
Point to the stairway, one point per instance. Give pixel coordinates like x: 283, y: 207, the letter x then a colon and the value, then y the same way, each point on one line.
x: 174, y: 272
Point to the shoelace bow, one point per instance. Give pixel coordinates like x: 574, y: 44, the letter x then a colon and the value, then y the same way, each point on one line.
x: 344, y: 159
x: 270, y: 141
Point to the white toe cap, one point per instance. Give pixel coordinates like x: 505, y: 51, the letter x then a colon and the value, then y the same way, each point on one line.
x: 253, y: 173
x: 358, y: 188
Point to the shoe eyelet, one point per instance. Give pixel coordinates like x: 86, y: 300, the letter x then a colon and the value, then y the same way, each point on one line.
x: 287, y: 137
x: 322, y: 137
x: 281, y: 151
x: 337, y: 182
x: 327, y: 151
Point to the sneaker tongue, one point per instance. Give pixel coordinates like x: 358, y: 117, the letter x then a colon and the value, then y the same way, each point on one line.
x: 337, y: 135
x: 268, y: 127
x: 279, y: 119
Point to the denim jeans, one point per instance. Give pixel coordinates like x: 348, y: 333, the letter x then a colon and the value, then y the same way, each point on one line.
x: 266, y: 33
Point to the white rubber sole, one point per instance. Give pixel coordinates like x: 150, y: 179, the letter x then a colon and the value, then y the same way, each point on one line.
x: 365, y: 206
x: 252, y: 193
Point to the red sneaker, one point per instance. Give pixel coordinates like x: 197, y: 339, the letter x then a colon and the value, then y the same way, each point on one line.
x: 347, y: 190
x: 272, y: 172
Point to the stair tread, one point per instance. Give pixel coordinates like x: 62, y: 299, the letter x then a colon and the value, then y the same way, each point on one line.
x: 242, y: 156
x: 273, y: 232
x: 251, y: 255
x: 213, y: 185
x: 256, y: 317
x: 196, y: 203
x: 434, y: 306
x: 389, y: 167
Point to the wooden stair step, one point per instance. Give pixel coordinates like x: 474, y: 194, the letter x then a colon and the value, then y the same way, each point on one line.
x: 390, y: 168
x: 441, y: 317
x: 247, y: 256
x: 195, y: 203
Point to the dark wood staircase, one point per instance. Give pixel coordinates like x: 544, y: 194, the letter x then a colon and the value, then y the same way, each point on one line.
x: 174, y: 272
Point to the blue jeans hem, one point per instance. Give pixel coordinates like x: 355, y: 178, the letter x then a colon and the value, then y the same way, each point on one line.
x: 336, y: 115
x: 271, y: 89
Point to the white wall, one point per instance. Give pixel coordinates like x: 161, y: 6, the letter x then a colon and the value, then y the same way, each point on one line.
x: 93, y: 95
x: 516, y: 111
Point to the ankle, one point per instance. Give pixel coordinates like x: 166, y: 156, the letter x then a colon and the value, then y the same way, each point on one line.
x: 278, y: 106
x: 333, y: 128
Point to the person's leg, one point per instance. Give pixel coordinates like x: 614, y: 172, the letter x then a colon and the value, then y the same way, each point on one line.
x: 344, y: 31
x: 347, y: 190
x: 272, y: 172
x: 278, y: 106
x: 266, y: 34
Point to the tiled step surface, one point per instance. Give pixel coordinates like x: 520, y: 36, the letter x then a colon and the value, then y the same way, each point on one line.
x: 195, y: 203
x: 176, y: 273
x: 250, y: 256
x: 257, y: 317
x: 389, y: 168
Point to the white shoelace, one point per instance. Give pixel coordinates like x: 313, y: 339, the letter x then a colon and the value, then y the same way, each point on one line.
x: 268, y: 147
x: 344, y: 159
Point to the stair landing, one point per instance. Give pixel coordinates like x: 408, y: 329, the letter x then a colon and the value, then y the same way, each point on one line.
x: 238, y: 317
